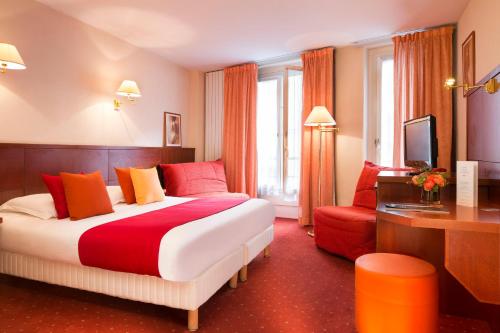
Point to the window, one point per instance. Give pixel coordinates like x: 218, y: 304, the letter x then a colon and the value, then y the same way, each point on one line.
x: 279, y: 125
x: 380, y: 108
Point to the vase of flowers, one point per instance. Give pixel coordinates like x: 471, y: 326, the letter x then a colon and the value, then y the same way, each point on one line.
x: 431, y: 184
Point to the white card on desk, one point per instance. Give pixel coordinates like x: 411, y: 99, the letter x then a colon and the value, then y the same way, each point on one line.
x: 467, y: 186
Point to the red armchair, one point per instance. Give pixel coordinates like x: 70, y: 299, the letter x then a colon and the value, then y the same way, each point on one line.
x: 350, y: 231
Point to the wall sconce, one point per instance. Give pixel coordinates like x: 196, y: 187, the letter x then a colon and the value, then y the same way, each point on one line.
x: 491, y: 86
x: 10, y: 58
x: 129, y: 89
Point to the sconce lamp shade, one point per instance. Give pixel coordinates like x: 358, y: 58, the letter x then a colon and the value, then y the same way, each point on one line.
x: 10, y: 57
x: 320, y: 116
x: 450, y: 82
x: 129, y: 89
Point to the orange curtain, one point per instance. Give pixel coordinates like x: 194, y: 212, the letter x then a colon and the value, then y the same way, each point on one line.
x: 317, y: 91
x: 422, y: 62
x: 239, y: 148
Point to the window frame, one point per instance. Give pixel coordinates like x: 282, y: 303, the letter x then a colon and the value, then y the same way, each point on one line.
x: 281, y: 73
x: 375, y: 57
x: 280, y: 91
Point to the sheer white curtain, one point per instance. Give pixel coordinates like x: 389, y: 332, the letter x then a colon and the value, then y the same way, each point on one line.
x: 278, y: 135
x: 387, y: 112
x: 268, y: 137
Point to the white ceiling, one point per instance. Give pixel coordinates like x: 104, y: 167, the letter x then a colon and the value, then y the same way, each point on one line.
x: 211, y: 34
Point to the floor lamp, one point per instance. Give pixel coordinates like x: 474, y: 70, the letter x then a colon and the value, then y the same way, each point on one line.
x: 321, y: 118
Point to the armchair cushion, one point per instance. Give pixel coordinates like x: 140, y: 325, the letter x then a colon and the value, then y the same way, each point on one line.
x: 346, y: 231
x: 366, y: 195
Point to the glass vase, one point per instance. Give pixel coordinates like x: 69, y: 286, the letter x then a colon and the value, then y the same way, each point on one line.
x: 430, y: 197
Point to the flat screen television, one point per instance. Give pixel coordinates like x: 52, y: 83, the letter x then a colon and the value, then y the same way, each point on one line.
x: 421, y: 142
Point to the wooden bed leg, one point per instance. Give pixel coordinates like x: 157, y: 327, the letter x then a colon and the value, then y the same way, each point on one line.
x: 243, y: 273
x: 233, y: 283
x: 193, y: 320
x: 267, y: 251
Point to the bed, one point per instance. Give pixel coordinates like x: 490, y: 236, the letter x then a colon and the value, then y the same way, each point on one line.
x: 195, y: 259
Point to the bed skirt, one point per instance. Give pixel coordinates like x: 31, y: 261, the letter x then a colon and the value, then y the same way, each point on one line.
x: 255, y: 245
x: 188, y: 295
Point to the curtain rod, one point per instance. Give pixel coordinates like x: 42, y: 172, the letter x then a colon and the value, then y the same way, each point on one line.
x: 400, y: 33
x: 268, y: 61
x: 296, y: 55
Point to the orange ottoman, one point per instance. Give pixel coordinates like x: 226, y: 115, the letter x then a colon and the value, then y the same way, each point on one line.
x: 395, y: 293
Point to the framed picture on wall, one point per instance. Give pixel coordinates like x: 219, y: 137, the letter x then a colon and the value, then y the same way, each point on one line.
x: 172, y: 129
x: 469, y: 61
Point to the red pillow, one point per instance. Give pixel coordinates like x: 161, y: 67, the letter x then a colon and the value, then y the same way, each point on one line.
x: 55, y: 186
x: 185, y: 179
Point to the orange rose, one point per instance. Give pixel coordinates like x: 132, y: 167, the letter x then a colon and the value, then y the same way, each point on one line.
x: 414, y: 180
x: 439, y: 180
x: 429, y: 184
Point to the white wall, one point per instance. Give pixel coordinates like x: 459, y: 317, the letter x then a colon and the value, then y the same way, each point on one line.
x: 482, y: 17
x: 65, y: 95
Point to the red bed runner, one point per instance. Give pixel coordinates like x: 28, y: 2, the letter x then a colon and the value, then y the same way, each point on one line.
x: 132, y: 244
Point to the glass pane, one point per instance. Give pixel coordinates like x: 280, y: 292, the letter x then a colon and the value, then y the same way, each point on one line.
x: 387, y: 112
x: 292, y: 180
x: 268, y: 148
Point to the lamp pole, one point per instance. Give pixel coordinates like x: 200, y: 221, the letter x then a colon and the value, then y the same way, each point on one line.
x: 322, y: 129
x: 321, y: 118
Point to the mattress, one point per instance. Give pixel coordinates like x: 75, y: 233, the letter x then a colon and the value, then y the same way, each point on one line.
x: 185, y: 251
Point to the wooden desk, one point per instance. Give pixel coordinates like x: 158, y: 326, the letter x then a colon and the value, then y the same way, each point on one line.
x: 464, y: 245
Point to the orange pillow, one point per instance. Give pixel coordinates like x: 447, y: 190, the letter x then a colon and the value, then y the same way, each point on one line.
x: 146, y: 185
x: 126, y: 184
x: 86, y: 195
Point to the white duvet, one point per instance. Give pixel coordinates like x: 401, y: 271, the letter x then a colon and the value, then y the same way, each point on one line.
x: 185, y: 251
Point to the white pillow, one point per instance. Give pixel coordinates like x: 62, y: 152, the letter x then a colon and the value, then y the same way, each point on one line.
x: 115, y: 194
x: 38, y: 205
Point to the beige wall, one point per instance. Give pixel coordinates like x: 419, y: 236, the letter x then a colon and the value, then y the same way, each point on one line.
x: 482, y: 17
x: 349, y: 95
x: 65, y: 95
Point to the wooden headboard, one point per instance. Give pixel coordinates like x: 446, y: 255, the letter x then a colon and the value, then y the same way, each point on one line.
x: 483, y: 129
x: 22, y: 164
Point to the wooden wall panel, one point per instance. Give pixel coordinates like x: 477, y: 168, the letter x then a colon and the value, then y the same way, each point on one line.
x: 178, y: 155
x: 483, y: 134
x: 55, y: 160
x: 139, y: 158
x: 22, y: 164
x: 11, y: 173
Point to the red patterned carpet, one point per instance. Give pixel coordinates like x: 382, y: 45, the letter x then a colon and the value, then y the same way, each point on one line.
x: 298, y: 289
